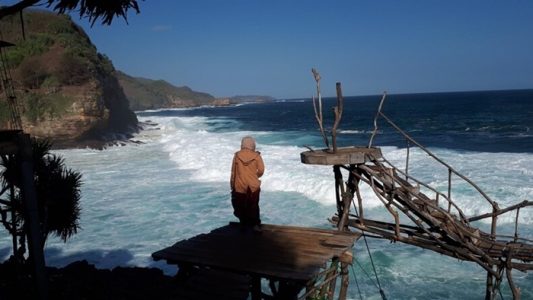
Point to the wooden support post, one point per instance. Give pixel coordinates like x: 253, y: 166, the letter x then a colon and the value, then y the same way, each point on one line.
x: 14, y: 223
x: 339, y: 187
x: 407, y: 162
x: 309, y: 287
x: 337, y: 110
x: 256, y: 288
x: 289, y: 290
x: 346, y: 259
x: 345, y: 280
x: 333, y: 283
x: 346, y: 201
x: 489, y: 292
x: 449, y: 189
x: 516, y: 225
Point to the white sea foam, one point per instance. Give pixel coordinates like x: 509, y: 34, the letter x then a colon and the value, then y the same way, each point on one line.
x: 352, y: 131
x: 504, y: 176
x: 208, y: 156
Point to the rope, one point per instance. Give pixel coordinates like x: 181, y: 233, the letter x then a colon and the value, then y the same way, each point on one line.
x: 356, y: 283
x: 381, y: 292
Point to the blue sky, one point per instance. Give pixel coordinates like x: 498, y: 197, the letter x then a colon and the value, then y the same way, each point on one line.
x: 236, y: 47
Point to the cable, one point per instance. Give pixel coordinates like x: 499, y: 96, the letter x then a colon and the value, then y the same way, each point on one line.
x: 370, y: 255
x: 356, y: 283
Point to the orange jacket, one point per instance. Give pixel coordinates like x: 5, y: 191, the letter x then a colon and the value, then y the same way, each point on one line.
x: 246, y: 169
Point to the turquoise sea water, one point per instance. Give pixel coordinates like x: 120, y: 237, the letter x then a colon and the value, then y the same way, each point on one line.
x: 139, y: 198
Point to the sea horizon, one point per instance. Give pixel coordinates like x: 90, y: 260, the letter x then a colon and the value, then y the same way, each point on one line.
x: 414, y: 93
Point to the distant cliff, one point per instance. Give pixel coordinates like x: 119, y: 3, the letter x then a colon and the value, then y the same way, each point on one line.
x: 152, y: 94
x: 66, y: 90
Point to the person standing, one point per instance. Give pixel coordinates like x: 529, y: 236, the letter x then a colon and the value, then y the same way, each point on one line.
x: 246, y: 169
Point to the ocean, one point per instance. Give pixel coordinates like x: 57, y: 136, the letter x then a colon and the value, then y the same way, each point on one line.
x: 141, y: 197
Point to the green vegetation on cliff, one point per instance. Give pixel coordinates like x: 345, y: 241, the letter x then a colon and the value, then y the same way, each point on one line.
x: 66, y: 90
x: 153, y: 94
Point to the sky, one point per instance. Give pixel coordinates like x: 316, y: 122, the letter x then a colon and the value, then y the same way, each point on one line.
x: 254, y: 47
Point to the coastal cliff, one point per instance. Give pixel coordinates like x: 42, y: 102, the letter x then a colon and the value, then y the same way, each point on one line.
x: 146, y: 93
x: 66, y: 91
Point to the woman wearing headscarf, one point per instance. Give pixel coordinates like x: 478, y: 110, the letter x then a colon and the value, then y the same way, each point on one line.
x: 246, y: 169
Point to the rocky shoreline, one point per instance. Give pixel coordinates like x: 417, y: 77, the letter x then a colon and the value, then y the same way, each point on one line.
x: 81, y: 280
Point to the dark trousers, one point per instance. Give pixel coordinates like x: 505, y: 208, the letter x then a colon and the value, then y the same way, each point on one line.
x: 246, y: 207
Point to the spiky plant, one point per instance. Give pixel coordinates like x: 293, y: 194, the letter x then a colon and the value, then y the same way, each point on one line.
x: 57, y: 189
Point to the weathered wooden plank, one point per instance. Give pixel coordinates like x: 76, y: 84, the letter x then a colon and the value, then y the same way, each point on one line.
x: 343, y: 156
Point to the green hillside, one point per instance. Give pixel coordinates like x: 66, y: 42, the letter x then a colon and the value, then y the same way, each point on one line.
x: 151, y: 94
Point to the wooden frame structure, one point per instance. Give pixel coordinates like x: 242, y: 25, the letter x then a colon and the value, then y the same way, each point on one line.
x: 436, y: 223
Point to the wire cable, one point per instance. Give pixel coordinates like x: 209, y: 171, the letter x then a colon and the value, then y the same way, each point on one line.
x: 356, y: 283
x: 370, y: 255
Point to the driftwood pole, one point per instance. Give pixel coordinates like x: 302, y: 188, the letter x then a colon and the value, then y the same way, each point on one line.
x: 337, y: 111
x: 344, y: 193
x: 376, y: 119
x: 318, y: 110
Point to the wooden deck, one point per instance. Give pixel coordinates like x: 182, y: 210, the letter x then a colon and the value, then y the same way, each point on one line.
x: 284, y: 253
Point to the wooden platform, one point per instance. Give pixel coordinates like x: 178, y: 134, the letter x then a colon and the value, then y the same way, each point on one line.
x: 343, y: 156
x: 285, y: 253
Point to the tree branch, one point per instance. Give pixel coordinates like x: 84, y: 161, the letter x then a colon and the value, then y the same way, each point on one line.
x: 16, y: 8
x: 92, y: 9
